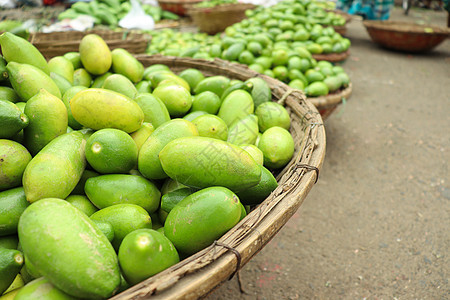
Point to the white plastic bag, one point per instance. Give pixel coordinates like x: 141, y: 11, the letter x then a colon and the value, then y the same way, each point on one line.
x: 137, y: 18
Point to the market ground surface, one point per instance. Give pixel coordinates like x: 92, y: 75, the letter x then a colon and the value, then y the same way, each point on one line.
x: 376, y: 225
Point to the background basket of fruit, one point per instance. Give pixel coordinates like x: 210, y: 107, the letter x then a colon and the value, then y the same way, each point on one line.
x: 178, y: 7
x: 215, y: 16
x: 404, y: 36
x: 327, y: 104
x: 58, y: 43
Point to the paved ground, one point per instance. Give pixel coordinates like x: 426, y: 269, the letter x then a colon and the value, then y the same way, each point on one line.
x: 376, y: 225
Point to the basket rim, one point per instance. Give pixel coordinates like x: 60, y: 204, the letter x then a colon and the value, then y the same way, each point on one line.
x: 221, y: 8
x: 198, y: 274
x: 405, y: 27
x: 331, y: 100
x: 332, y: 57
x: 181, y: 2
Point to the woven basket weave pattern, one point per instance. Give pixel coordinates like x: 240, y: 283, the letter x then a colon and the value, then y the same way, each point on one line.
x: 58, y: 43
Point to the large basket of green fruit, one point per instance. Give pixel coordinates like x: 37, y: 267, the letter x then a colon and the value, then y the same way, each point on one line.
x: 215, y: 16
x: 200, y: 273
x: 58, y: 43
x: 152, y: 177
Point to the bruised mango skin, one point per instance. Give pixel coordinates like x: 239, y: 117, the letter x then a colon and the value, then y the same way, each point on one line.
x: 56, y: 169
x: 202, y: 162
x: 74, y: 255
x: 202, y: 217
x: 100, y: 108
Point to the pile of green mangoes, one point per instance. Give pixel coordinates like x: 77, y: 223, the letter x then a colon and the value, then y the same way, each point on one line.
x: 111, y: 172
x: 214, y: 3
x: 110, y: 12
x: 183, y: 44
x: 291, y: 63
x: 310, y: 11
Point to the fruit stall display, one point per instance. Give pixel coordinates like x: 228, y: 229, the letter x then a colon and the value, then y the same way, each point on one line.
x: 288, y: 62
x: 110, y: 12
x: 215, y: 16
x: 116, y: 168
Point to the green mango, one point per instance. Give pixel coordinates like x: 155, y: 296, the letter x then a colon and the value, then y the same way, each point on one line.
x: 56, y: 169
x: 11, y: 262
x: 74, y: 58
x: 106, y: 228
x: 120, y: 84
x: 67, y: 96
x: 169, y: 200
x: 216, y: 84
x: 126, y: 64
x: 82, y: 262
x: 108, y: 190
x: 201, y: 218
x: 144, y: 253
x: 256, y: 194
x: 41, y: 288
x: 175, y: 97
x: 27, y: 80
x: 7, y: 93
x: 211, y: 126
x: 202, y: 162
x: 48, y: 119
x: 82, y: 77
x: 12, y: 119
x: 237, y: 105
x: 260, y: 91
x: 277, y: 145
x: 19, y: 50
x: 124, y: 219
x: 99, y: 80
x: 9, y: 241
x: 272, y: 114
x: 82, y: 203
x: 244, y: 131
x: 95, y: 54
x: 62, y: 66
x: 148, y: 161
x: 62, y: 83
x: 79, y: 188
x: 12, y: 204
x: 100, y: 108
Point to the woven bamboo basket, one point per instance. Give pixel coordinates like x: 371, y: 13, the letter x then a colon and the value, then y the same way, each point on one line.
x: 216, y: 19
x: 58, y: 43
x: 178, y: 7
x: 199, y: 274
x: 327, y: 104
x: 404, y: 36
x: 332, y: 57
x: 342, y: 30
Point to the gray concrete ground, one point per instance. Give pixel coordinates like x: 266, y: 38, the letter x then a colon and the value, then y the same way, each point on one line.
x: 376, y: 225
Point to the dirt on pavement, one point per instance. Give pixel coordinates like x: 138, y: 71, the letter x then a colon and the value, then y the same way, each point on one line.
x: 376, y: 225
